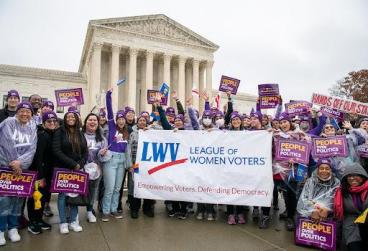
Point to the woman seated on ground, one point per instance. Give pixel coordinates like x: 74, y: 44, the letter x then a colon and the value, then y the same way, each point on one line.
x: 316, y: 199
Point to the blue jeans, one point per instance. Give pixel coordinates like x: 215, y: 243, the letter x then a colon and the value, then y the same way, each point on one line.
x: 10, y: 210
x: 61, y: 203
x: 113, y: 173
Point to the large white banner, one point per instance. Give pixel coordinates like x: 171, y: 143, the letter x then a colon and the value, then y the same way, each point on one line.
x: 219, y: 167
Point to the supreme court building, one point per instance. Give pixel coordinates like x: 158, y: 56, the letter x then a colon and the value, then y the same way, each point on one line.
x: 145, y: 50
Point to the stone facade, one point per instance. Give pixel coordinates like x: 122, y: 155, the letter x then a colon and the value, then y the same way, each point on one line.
x: 146, y: 50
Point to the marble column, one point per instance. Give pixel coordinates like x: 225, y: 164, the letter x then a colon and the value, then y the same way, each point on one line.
x: 201, y: 88
x: 148, y: 85
x: 115, y: 76
x: 167, y: 61
x: 181, y: 81
x: 196, y: 82
x: 95, y: 78
x: 209, y: 65
x: 132, y: 88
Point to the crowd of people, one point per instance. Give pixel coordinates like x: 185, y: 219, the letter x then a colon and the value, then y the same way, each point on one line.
x: 105, y: 146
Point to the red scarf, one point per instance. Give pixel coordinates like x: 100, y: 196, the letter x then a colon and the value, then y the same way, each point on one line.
x: 338, y: 201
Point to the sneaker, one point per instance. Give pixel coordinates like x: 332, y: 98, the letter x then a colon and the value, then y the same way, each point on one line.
x: 117, y: 215
x: 265, y: 222
x: 75, y: 227
x: 231, y: 219
x: 290, y: 225
x: 149, y: 213
x: 171, y: 213
x: 210, y: 217
x: 91, y: 218
x: 255, y: 213
x: 2, y: 239
x: 200, y: 216
x: 34, y: 228
x: 182, y: 216
x: 190, y: 208
x: 105, y: 218
x: 241, y: 219
x: 44, y: 225
x: 47, y: 211
x: 13, y: 235
x: 283, y: 215
x: 64, y: 228
x: 134, y: 214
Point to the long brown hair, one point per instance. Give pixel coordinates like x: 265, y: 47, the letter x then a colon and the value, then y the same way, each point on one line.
x: 74, y: 133
x: 124, y: 131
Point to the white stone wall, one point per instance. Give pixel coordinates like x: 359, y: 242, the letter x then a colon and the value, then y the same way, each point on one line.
x: 27, y: 86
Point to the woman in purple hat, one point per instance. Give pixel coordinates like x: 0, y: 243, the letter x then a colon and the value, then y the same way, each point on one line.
x: 43, y: 163
x: 20, y: 135
x: 113, y: 170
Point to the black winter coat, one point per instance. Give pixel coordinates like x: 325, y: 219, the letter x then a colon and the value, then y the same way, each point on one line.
x: 63, y: 152
x: 43, y: 160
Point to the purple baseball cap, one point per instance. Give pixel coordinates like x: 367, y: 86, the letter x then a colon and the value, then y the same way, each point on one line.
x: 25, y: 105
x: 102, y: 113
x: 235, y: 115
x: 323, y: 161
x: 258, y: 115
x: 207, y: 113
x: 284, y: 116
x: 179, y: 117
x: 73, y: 109
x: 128, y: 109
x: 48, y: 115
x: 219, y: 114
x: 48, y: 103
x: 170, y: 110
x: 120, y: 114
x: 13, y: 93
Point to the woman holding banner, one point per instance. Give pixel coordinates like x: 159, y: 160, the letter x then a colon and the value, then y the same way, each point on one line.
x: 20, y: 135
x: 43, y: 163
x: 351, y: 206
x: 113, y: 170
x: 135, y: 203
x: 97, y: 155
x: 316, y: 198
x: 70, y: 150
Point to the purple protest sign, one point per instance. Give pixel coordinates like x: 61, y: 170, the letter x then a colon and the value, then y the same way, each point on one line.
x: 362, y: 150
x: 330, y: 112
x: 69, y: 97
x: 329, y: 147
x: 228, y: 84
x: 151, y: 97
x: 69, y: 181
x: 292, y: 150
x: 297, y: 107
x: 268, y: 90
x: 268, y: 102
x: 17, y: 185
x: 320, y: 235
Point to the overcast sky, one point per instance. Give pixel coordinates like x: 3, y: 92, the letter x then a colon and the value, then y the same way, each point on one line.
x: 305, y: 46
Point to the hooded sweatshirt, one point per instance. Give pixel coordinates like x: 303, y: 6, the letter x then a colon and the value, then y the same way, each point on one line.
x: 18, y: 142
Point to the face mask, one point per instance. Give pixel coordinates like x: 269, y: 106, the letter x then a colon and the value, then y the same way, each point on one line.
x: 207, y: 121
x: 220, y: 122
x: 304, y: 126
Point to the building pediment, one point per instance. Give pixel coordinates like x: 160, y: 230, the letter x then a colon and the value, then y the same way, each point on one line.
x: 158, y: 26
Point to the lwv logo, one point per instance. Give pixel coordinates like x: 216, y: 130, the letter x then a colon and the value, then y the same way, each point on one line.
x: 156, y: 152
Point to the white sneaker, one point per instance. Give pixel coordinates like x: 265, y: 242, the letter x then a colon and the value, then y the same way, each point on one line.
x: 64, y: 228
x: 91, y: 218
x: 2, y: 239
x: 200, y: 216
x: 13, y: 235
x: 75, y: 226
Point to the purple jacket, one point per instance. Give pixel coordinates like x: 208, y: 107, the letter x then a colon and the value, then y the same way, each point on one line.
x: 115, y: 139
x: 18, y: 142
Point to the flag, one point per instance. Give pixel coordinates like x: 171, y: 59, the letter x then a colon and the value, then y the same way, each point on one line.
x: 362, y: 218
x: 217, y: 100
x: 120, y: 82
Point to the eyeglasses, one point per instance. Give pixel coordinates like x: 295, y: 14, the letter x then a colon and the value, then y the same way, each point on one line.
x: 51, y: 121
